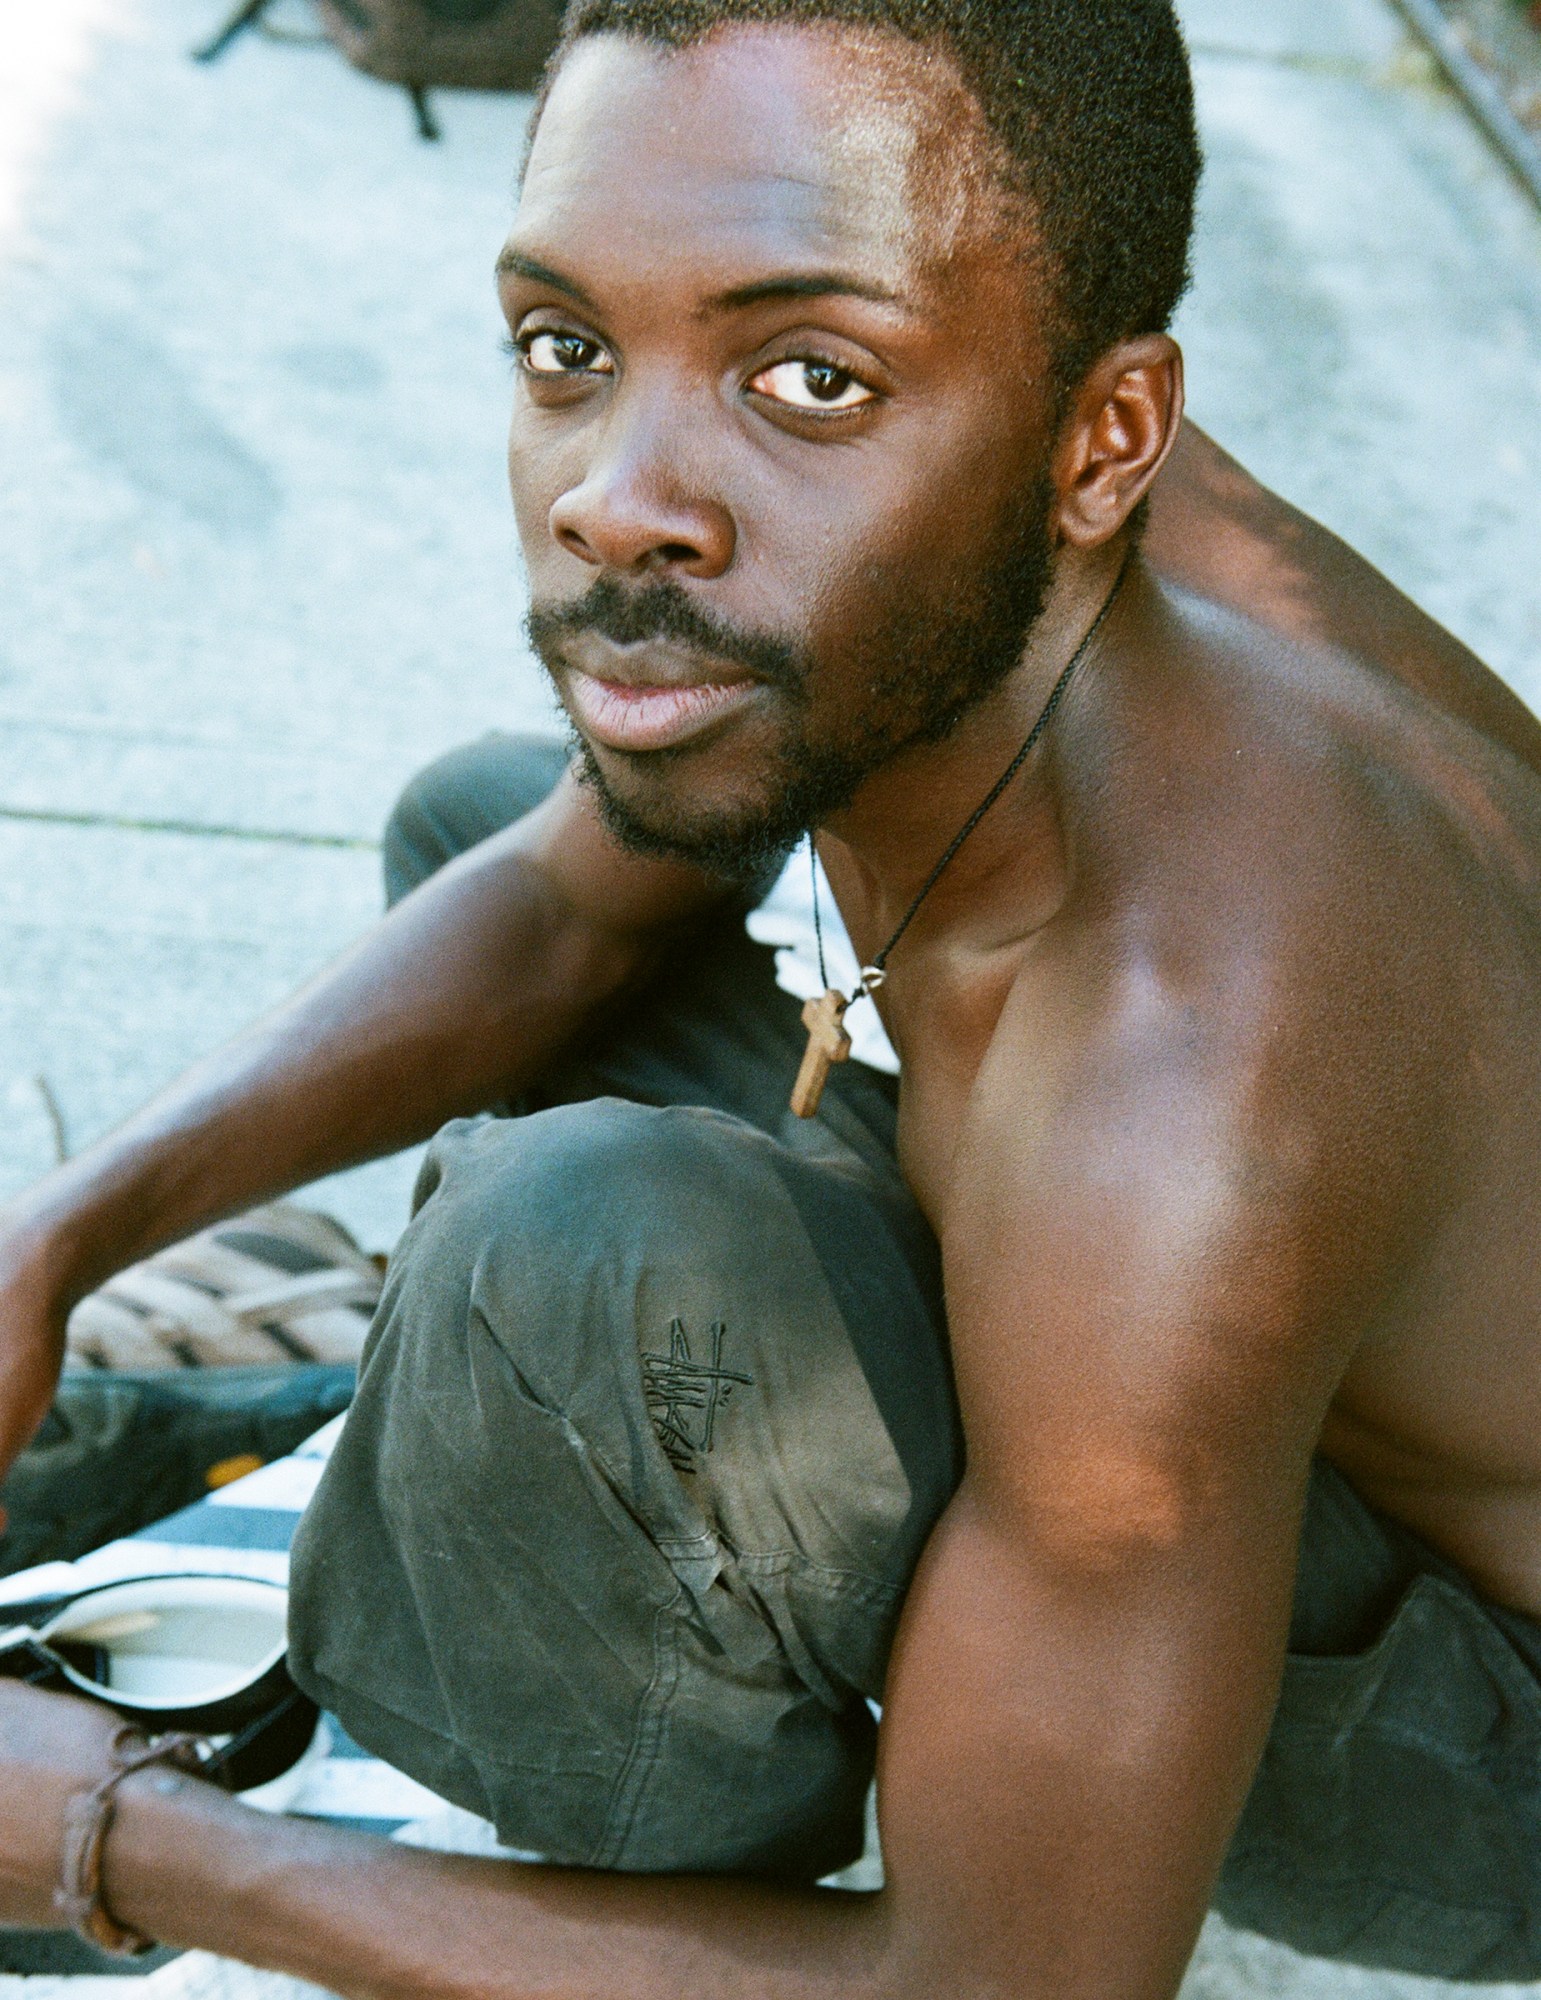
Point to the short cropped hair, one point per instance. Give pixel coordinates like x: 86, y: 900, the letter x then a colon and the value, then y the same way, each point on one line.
x: 1091, y: 102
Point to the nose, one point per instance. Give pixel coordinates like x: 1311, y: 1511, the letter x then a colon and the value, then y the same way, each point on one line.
x: 639, y: 508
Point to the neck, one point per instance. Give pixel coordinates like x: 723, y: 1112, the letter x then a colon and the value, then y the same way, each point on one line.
x: 880, y: 851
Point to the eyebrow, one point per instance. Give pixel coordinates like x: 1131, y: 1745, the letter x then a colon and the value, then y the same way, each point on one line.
x: 801, y: 285
x: 785, y: 285
x: 514, y: 264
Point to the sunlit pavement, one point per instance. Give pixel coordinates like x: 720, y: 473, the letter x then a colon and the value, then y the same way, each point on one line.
x: 256, y: 562
x: 255, y: 556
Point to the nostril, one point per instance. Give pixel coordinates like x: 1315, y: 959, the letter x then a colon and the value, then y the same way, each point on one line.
x: 672, y: 553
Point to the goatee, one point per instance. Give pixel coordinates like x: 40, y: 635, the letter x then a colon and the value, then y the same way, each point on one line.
x: 925, y: 658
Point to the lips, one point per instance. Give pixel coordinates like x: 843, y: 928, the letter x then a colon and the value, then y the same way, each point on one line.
x: 647, y: 696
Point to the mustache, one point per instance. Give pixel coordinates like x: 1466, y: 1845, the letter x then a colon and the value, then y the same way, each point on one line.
x: 662, y: 610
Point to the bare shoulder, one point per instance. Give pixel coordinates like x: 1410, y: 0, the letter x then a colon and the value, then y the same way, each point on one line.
x: 1282, y: 1036
x: 1301, y: 826
x: 1218, y: 532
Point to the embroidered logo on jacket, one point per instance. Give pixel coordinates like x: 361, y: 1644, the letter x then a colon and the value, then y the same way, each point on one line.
x: 683, y: 1395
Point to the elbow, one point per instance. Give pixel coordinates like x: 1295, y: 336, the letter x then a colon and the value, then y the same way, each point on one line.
x: 1102, y: 1514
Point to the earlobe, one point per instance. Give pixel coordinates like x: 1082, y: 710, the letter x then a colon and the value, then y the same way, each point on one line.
x: 1122, y: 426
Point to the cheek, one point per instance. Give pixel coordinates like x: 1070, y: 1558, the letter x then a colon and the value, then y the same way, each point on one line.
x: 916, y: 523
x: 545, y: 460
x: 530, y: 484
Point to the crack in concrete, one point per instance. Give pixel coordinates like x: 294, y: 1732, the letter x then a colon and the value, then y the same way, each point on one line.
x: 196, y: 829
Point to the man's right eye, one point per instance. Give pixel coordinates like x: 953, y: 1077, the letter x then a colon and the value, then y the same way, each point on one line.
x: 564, y: 354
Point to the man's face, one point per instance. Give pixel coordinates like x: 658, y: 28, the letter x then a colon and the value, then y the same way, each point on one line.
x: 781, y: 423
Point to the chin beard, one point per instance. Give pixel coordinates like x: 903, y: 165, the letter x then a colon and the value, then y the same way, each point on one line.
x: 746, y: 848
x: 923, y: 665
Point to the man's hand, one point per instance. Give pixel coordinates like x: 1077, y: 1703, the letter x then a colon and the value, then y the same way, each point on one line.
x: 51, y: 1747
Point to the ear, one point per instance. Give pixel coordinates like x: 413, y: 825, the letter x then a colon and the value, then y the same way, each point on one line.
x: 1122, y: 424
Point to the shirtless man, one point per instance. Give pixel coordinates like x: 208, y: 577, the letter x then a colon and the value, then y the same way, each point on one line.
x: 840, y: 382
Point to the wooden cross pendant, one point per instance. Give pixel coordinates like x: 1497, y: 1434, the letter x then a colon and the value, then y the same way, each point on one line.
x: 828, y: 1044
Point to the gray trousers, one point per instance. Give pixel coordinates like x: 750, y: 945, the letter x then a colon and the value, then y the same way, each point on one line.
x: 652, y: 1426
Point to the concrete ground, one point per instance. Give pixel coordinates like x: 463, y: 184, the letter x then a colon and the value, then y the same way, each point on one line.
x: 255, y: 556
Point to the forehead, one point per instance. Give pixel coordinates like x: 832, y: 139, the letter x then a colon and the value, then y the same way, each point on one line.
x: 766, y: 143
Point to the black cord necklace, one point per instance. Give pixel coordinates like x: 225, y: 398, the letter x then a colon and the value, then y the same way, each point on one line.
x: 828, y: 1042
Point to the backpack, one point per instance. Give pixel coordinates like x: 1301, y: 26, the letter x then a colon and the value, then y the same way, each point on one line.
x: 460, y: 44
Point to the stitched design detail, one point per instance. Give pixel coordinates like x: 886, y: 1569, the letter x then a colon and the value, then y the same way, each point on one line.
x: 683, y: 1395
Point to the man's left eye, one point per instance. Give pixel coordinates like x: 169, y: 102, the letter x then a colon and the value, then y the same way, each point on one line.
x: 563, y: 354
x: 811, y: 385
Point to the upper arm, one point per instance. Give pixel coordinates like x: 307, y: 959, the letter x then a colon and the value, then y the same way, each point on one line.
x: 1152, y: 1282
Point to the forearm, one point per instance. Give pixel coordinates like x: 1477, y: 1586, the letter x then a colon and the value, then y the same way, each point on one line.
x: 1068, y: 1766
x: 455, y: 1000
x: 370, y: 1920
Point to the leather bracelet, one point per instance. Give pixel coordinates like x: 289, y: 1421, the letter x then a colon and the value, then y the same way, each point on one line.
x: 87, y: 1820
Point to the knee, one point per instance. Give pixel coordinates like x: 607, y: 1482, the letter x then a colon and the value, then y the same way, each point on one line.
x: 510, y: 1331
x: 506, y: 1587
x: 648, y: 1276
x: 610, y: 1320
x: 580, y: 1244
x: 570, y: 1218
x: 461, y: 799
